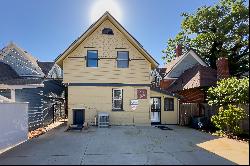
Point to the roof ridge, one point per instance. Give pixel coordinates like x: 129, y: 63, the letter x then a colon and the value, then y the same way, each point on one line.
x: 116, y: 23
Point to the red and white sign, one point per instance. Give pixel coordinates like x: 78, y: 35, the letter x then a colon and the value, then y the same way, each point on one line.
x: 133, y: 107
x: 141, y: 93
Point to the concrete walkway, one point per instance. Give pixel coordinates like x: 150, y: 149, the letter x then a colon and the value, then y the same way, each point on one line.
x: 125, y: 145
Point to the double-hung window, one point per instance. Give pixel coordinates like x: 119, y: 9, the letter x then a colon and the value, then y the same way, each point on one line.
x: 117, y: 99
x: 122, y: 59
x: 92, y: 58
x: 169, y: 104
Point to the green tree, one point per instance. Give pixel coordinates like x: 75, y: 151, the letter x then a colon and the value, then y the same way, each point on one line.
x: 216, y: 31
x: 228, y: 95
x: 229, y: 91
x: 229, y: 119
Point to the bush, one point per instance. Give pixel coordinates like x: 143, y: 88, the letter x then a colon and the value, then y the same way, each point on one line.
x: 228, y: 119
x: 229, y: 91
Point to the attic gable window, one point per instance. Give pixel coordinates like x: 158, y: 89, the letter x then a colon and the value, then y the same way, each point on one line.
x: 107, y: 31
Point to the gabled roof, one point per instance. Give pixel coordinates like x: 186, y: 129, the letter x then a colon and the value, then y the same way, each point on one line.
x: 8, y: 76
x: 46, y: 66
x: 161, y: 71
x: 7, y: 72
x: 24, y: 53
x: 15, y: 51
x: 93, y: 27
x: 175, y: 63
x: 171, y: 64
x: 196, y: 77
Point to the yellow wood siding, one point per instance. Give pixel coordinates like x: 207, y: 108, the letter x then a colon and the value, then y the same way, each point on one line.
x: 99, y: 99
x: 75, y: 70
x: 94, y: 99
x: 167, y: 117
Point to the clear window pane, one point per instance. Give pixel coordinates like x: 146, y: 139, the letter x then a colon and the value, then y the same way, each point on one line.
x: 117, y: 99
x: 122, y: 56
x: 172, y: 105
x: 92, y: 63
x: 169, y: 104
x: 92, y: 55
x: 118, y: 104
x: 122, y: 59
x: 122, y: 64
x: 117, y: 94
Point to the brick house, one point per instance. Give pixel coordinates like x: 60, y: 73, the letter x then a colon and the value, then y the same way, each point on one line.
x: 190, y: 77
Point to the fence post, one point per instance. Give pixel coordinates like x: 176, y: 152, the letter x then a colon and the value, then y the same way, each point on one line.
x: 60, y: 110
x: 53, y: 107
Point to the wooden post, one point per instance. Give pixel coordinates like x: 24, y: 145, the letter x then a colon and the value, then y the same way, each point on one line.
x: 13, y: 95
x: 60, y: 109
x: 53, y: 107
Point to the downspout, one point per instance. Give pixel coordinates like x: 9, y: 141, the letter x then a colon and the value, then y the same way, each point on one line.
x: 178, y: 105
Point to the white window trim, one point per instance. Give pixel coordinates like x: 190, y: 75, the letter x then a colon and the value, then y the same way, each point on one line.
x: 120, y: 99
x: 122, y: 59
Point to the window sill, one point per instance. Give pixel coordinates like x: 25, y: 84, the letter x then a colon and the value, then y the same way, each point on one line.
x: 118, y: 110
x: 92, y: 67
x: 123, y: 68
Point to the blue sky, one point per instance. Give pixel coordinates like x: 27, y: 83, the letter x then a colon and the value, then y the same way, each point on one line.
x: 46, y: 28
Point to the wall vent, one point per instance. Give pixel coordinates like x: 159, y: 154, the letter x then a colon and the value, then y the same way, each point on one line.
x: 103, y: 119
x: 107, y: 31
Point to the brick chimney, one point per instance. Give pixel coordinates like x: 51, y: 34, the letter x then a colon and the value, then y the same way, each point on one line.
x: 178, y: 50
x: 222, y: 68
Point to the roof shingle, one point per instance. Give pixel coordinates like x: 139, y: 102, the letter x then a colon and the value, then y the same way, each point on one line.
x: 46, y: 66
x: 197, y: 76
x: 8, y: 76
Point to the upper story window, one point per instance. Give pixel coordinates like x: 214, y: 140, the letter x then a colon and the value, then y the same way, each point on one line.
x: 169, y: 104
x: 107, y: 31
x: 92, y: 58
x: 122, y: 59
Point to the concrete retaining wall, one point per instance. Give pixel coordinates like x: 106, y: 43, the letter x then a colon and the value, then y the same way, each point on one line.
x: 13, y: 124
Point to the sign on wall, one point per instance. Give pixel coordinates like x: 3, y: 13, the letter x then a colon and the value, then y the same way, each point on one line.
x: 141, y: 93
x: 134, y: 104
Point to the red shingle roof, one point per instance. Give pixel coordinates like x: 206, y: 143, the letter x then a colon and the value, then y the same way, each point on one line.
x: 197, y: 76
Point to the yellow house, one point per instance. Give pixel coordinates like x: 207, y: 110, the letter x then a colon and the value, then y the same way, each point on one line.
x: 107, y: 70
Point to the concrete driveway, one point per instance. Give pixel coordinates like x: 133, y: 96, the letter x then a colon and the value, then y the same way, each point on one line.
x: 127, y: 145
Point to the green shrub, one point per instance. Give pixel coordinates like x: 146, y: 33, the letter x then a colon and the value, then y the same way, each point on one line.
x: 228, y: 119
x: 229, y: 91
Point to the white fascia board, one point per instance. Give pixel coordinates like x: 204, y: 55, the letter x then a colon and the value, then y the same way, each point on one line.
x: 198, y: 58
x: 169, y: 78
x: 4, y: 86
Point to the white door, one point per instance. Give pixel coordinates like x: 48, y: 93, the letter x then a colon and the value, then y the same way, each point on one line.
x: 155, y: 110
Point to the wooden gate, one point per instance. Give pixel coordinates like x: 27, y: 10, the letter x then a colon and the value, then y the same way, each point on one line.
x: 191, y: 110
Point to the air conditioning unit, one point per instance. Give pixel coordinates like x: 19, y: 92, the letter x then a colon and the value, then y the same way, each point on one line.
x: 103, y: 119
